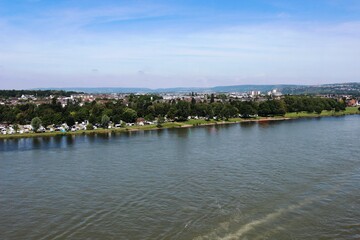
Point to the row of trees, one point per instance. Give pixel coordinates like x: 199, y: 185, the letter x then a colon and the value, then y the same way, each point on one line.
x: 150, y: 107
x: 37, y: 93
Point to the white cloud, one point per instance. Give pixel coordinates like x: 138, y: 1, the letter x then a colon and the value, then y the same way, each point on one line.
x: 62, y: 50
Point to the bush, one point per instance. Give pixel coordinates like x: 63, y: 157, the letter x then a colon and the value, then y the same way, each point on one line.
x: 89, y: 127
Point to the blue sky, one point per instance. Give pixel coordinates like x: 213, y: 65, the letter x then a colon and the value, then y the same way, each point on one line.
x: 174, y: 43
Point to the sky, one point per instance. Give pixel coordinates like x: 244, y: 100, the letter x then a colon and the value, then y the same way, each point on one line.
x: 177, y: 43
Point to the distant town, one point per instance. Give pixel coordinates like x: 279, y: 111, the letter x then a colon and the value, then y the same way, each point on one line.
x: 36, y: 111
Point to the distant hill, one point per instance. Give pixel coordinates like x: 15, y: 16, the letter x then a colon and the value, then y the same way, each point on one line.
x: 337, y: 88
x: 106, y: 90
x: 235, y: 88
x: 247, y: 88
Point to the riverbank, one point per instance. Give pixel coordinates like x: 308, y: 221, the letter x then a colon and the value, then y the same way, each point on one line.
x: 187, y: 124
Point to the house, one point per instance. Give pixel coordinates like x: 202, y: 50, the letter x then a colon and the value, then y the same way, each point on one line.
x: 352, y: 103
x: 140, y: 121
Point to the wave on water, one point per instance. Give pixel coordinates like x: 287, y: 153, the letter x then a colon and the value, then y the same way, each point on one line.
x: 253, y: 225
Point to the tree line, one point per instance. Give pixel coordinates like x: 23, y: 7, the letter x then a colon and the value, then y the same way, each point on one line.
x: 37, y: 93
x: 151, y: 107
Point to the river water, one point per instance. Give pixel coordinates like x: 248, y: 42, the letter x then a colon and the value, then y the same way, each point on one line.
x: 297, y: 179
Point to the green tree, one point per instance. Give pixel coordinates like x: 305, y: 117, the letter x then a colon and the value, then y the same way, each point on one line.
x: 16, y: 127
x: 36, y: 123
x: 47, y: 116
x: 105, y: 121
x: 217, y: 108
x: 182, y: 110
x: 229, y: 111
x: 82, y: 114
x: 92, y: 119
x: 21, y: 118
x: 171, y: 113
x: 193, y: 101
x: 278, y: 107
x: 264, y: 109
x: 318, y: 109
x: 247, y: 109
x: 212, y: 98
x: 160, y: 121
x: 149, y: 117
x: 70, y: 120
x: 129, y: 115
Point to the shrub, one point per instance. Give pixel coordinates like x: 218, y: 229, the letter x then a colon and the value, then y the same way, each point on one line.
x: 36, y: 123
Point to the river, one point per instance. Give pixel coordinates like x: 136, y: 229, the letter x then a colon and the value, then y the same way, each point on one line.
x: 296, y: 179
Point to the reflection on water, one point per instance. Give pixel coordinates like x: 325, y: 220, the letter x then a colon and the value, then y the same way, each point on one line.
x: 183, y: 133
x: 69, y: 140
x: 248, y: 124
x: 269, y: 180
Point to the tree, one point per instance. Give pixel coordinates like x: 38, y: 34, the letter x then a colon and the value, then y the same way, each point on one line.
x: 182, y: 110
x: 21, y: 118
x: 264, y: 109
x: 92, y: 119
x: 47, y: 116
x: 81, y: 115
x: 279, y: 107
x: 247, y: 109
x: 212, y: 98
x: 129, y: 115
x: 193, y: 101
x: 105, y: 121
x: 16, y: 128
x: 318, y: 109
x: 229, y: 111
x: 149, y: 117
x: 36, y: 123
x: 171, y: 113
x: 160, y: 121
x: 217, y: 109
x: 70, y: 120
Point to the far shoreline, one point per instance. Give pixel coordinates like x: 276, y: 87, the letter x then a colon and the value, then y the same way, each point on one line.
x: 187, y: 124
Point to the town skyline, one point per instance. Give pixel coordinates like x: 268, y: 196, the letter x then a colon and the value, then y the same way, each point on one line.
x: 166, y: 44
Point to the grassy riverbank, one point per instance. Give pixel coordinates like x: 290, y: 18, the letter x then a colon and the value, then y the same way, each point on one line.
x: 348, y: 111
x: 189, y: 123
